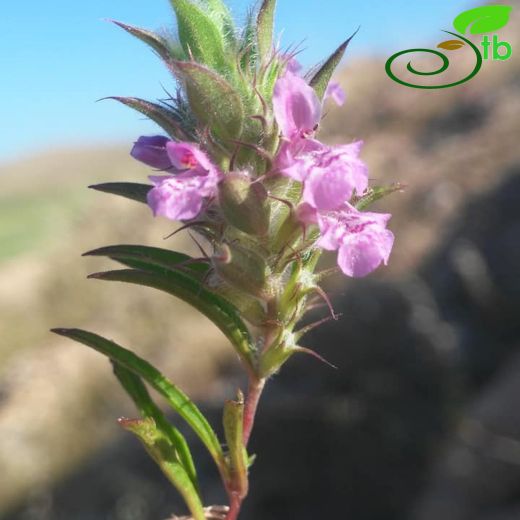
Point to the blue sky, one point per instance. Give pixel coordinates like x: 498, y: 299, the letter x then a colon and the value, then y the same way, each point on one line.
x: 59, y: 56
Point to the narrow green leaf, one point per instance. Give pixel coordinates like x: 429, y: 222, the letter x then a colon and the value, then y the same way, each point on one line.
x: 485, y: 19
x: 269, y: 77
x: 136, y: 389
x: 222, y: 313
x: 321, y: 79
x: 214, y: 101
x: 219, y: 12
x: 177, y: 399
x: 160, y: 449
x: 129, y: 190
x: 233, y: 420
x: 248, y: 45
x: 265, y: 28
x: 152, y: 259
x: 376, y: 193
x: 159, y: 114
x: 159, y: 44
x: 199, y: 35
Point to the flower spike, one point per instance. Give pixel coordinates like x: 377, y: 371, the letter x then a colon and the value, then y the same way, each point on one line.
x: 240, y: 165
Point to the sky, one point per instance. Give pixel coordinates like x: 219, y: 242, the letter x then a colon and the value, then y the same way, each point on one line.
x: 58, y: 57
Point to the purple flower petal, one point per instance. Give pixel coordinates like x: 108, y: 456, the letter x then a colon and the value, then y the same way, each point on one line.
x: 188, y: 156
x: 336, y: 93
x: 293, y: 66
x: 297, y: 109
x: 330, y: 174
x: 362, y: 240
x: 327, y: 189
x: 293, y: 158
x: 180, y: 198
x: 363, y: 254
x: 151, y: 150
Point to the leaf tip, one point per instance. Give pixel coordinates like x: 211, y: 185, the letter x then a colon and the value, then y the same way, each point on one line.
x: 95, y: 276
x: 125, y: 422
x: 344, y: 45
x: 60, y: 331
x: 93, y: 252
x: 116, y: 22
x: 93, y: 186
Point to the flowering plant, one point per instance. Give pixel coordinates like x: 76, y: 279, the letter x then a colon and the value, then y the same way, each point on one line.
x: 240, y: 166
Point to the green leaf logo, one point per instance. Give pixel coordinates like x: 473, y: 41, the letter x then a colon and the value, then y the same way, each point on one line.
x: 451, y: 45
x: 482, y: 20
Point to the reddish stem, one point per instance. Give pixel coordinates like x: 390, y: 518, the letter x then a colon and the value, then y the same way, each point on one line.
x: 256, y: 387
x: 234, y: 506
x: 253, y: 397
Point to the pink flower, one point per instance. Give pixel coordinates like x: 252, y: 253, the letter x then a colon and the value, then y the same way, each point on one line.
x: 334, y: 90
x: 293, y: 65
x: 164, y: 154
x: 330, y: 175
x: 336, y: 93
x: 189, y: 157
x: 361, y: 238
x: 297, y: 109
x: 181, y: 196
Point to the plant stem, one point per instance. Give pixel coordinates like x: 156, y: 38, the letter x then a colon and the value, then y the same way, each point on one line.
x: 256, y: 387
x: 234, y: 506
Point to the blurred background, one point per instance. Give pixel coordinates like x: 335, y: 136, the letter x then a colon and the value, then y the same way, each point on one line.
x: 421, y: 420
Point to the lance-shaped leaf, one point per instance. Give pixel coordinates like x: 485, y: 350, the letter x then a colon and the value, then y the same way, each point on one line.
x: 159, y: 114
x: 158, y: 446
x: 376, y: 193
x: 248, y: 46
x: 265, y: 28
x: 222, y: 313
x: 159, y: 44
x: 136, y: 389
x: 128, y: 190
x: 321, y: 79
x: 214, y: 101
x: 152, y: 259
x: 480, y: 20
x: 177, y: 399
x: 200, y: 37
x: 233, y: 421
x: 220, y: 14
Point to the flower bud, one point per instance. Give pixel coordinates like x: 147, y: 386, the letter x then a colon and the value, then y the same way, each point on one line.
x: 151, y: 150
x: 245, y: 204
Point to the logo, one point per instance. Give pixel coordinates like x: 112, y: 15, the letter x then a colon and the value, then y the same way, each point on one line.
x: 481, y: 20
